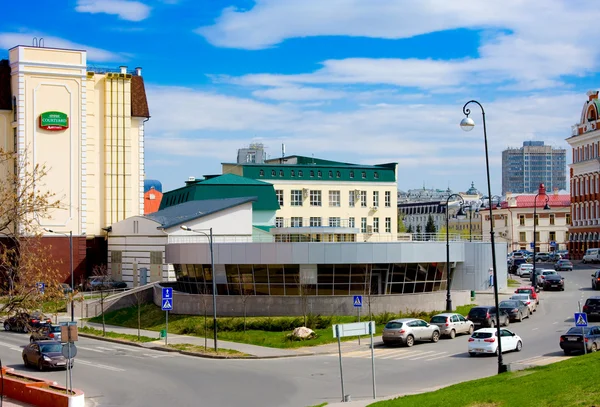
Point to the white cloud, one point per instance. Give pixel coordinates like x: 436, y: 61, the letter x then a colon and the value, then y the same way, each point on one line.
x: 9, y: 40
x: 124, y: 9
x: 295, y: 93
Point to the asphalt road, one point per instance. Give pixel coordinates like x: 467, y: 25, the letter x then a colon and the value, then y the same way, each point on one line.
x: 120, y: 375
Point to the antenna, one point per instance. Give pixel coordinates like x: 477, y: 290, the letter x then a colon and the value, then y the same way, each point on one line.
x: 282, y: 150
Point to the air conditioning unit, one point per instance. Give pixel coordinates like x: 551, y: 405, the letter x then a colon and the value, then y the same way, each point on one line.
x: 369, y: 229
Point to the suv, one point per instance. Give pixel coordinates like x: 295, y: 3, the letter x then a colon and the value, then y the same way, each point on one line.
x: 541, y: 256
x: 485, y: 316
x: 592, y: 308
x: 591, y: 256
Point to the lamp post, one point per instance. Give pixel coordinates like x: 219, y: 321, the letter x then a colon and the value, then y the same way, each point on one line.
x: 460, y: 213
x: 209, y: 235
x: 471, y: 210
x: 70, y: 234
x: 467, y: 124
x: 541, y: 192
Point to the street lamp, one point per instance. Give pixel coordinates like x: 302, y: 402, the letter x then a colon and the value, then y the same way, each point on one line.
x: 459, y: 214
x: 542, y: 192
x: 209, y: 235
x: 467, y: 124
x: 70, y: 234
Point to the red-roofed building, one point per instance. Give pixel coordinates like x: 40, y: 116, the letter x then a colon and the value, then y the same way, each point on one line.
x: 585, y: 178
x: 152, y: 199
x: 513, y: 222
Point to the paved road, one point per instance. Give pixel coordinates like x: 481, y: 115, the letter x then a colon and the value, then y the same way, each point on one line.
x: 115, y: 375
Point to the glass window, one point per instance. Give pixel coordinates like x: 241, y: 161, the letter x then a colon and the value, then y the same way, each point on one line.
x: 351, y: 222
x: 521, y: 220
x: 261, y: 173
x: 376, y: 198
x: 363, y: 225
x: 522, y: 237
x: 312, y: 174
x: 552, y: 219
x: 319, y: 174
x: 388, y: 199
x: 296, y: 197
x: 552, y: 236
x: 330, y: 174
x: 363, y: 199
x: 537, y: 219
x: 363, y: 175
x: 388, y: 225
x: 338, y: 174
x: 334, y: 198
x: 315, y: 198
x: 300, y: 174
x: 376, y: 175
x: 334, y: 222
x: 296, y: 221
x: 315, y: 221
x: 279, y: 193
x: 568, y: 218
x: 351, y: 198
x: 351, y: 174
x: 273, y: 173
x: 375, y: 225
x: 293, y: 173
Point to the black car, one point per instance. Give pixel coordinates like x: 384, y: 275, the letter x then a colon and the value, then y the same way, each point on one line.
x: 24, y: 322
x: 554, y: 282
x: 572, y: 340
x: 596, y: 280
x: 592, y: 308
x: 516, y: 310
x: 485, y: 316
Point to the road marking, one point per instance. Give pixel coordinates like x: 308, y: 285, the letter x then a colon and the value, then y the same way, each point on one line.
x: 11, y: 346
x: 131, y: 349
x: 391, y: 353
x: 424, y: 355
x: 554, y: 323
x: 91, y: 349
x: 535, y: 329
x: 411, y: 354
x: 444, y: 356
x: 101, y: 366
x: 103, y: 348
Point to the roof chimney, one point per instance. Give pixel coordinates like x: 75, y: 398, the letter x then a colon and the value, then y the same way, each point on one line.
x: 592, y: 94
x: 123, y: 69
x: 555, y: 190
x: 138, y: 71
x: 542, y: 190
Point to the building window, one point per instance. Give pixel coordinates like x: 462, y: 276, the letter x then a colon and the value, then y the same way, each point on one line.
x: 315, y: 221
x: 279, y: 222
x: 363, y: 225
x: 293, y: 173
x: 375, y: 225
x: 351, y: 198
x: 319, y: 174
x: 521, y: 220
x: 376, y: 175
x: 351, y: 174
x: 300, y: 174
x: 552, y: 236
x: 351, y: 223
x: 334, y: 198
x: 537, y: 220
x: 338, y: 174
x: 363, y: 199
x: 505, y: 219
x: 296, y: 222
x: 522, y: 236
x: 296, y: 197
x: 388, y: 199
x: 552, y: 219
x: 279, y: 193
x: 261, y: 173
x: 537, y: 237
x: 14, y: 108
x: 364, y: 175
x: 334, y: 222
x: 388, y: 225
x: 315, y: 198
x: 376, y: 199
x: 281, y: 173
x: 273, y: 173
x: 312, y: 174
x: 568, y: 218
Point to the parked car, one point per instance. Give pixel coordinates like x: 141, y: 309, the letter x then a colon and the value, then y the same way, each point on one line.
x: 554, y: 281
x: 45, y: 355
x: 46, y: 332
x: 406, y: 331
x: 515, y: 264
x: 530, y: 302
x: 25, y: 322
x: 516, y: 310
x: 103, y: 283
x: 541, y: 256
x: 596, y: 280
x: 542, y: 275
x: 573, y: 339
x: 451, y: 324
x: 525, y: 270
x: 564, y: 254
x: 591, y: 256
x: 592, y: 308
x: 554, y: 256
x: 484, y: 340
x: 532, y: 291
x: 565, y: 265
x: 485, y: 316
x: 66, y: 288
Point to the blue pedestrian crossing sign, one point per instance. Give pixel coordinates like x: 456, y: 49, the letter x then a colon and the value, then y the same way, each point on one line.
x: 581, y: 319
x: 41, y: 287
x: 357, y: 301
x: 167, y: 304
x: 167, y: 292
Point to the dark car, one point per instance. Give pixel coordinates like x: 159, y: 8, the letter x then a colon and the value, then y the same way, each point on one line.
x: 485, y: 316
x: 103, y: 283
x: 592, y: 308
x: 596, y: 280
x: 24, y: 322
x: 554, y: 282
x: 45, y: 355
x: 542, y: 257
x: 516, y: 310
x: 572, y: 340
x: 46, y: 332
x: 564, y: 254
x: 516, y: 263
x: 563, y: 265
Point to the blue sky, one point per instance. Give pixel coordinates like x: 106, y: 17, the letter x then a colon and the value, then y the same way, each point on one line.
x: 364, y: 81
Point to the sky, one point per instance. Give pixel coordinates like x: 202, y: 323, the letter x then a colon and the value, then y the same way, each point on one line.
x: 360, y: 81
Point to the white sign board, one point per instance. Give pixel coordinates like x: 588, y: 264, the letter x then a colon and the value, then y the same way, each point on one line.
x: 354, y: 329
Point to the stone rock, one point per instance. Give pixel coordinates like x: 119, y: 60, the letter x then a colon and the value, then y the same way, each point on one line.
x: 303, y: 333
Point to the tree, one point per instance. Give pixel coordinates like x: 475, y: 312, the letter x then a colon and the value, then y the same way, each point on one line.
x: 401, y: 226
x: 430, y: 227
x: 409, y: 229
x: 24, y: 260
x: 245, y: 295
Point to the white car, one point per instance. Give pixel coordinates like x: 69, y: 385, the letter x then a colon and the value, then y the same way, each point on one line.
x: 542, y: 275
x: 485, y: 340
x: 525, y: 270
x: 531, y: 304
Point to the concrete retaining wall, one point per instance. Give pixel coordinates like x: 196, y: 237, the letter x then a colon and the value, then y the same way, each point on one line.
x: 92, y: 308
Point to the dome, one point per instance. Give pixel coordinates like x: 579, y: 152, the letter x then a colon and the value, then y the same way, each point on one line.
x: 472, y: 190
x: 152, y: 183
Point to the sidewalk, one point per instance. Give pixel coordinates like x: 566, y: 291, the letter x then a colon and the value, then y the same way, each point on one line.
x: 6, y: 402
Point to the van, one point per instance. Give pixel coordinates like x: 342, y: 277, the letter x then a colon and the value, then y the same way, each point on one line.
x: 591, y: 256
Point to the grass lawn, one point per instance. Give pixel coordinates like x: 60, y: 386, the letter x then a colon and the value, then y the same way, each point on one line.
x: 573, y: 382
x: 513, y: 283
x: 188, y: 347
x: 114, y: 335
x: 268, y: 333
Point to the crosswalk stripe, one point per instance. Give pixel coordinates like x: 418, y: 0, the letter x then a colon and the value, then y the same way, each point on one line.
x: 424, y: 355
x: 101, y: 366
x: 443, y: 356
x: 390, y: 353
x: 130, y: 348
x: 408, y: 355
x: 90, y: 349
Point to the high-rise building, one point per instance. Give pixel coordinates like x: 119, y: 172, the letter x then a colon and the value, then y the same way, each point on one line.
x: 525, y: 168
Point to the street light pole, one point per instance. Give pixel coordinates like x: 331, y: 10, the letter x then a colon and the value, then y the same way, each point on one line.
x: 467, y: 124
x: 459, y: 213
x: 542, y: 192
x: 214, y: 282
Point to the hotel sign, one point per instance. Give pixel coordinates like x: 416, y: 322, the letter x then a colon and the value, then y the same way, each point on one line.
x: 54, y: 121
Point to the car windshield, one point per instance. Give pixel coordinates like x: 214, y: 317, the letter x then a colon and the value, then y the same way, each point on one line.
x: 512, y: 304
x: 523, y: 291
x: 478, y: 312
x: 481, y: 335
x: 51, y: 347
x: 592, y: 301
x: 520, y: 297
x: 439, y: 319
x: 393, y: 325
x: 55, y: 328
x: 576, y: 330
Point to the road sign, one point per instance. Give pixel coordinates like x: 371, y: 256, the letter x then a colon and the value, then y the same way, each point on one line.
x: 581, y: 319
x: 41, y: 287
x: 167, y: 292
x: 552, y: 244
x: 357, y: 301
x: 69, y: 350
x: 167, y: 304
x: 353, y: 329
x: 531, y: 245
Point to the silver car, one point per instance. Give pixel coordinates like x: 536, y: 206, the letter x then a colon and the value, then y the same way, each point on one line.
x: 531, y: 304
x: 406, y: 331
x: 451, y: 324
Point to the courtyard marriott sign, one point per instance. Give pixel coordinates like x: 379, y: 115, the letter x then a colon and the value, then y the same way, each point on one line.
x: 54, y: 121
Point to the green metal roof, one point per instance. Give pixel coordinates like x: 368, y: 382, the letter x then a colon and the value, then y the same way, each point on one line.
x: 262, y: 227
x: 224, y: 186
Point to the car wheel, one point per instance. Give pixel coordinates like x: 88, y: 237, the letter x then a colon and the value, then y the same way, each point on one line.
x: 594, y: 347
x: 471, y: 329
x: 452, y: 334
x: 496, y: 352
x: 6, y: 326
x: 25, y: 361
x: 507, y: 321
x: 410, y: 340
x: 40, y: 365
x: 492, y: 323
x: 567, y: 352
x: 472, y: 354
x: 435, y: 336
x: 519, y: 346
x: 520, y: 318
x: 529, y: 312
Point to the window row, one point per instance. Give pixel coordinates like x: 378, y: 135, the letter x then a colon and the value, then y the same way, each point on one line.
x: 585, y: 185
x: 551, y: 219
x: 587, y: 152
x: 523, y: 236
x: 334, y: 221
x: 315, y: 197
x: 318, y: 174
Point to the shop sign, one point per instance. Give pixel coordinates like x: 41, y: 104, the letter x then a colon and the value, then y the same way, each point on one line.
x: 54, y: 121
